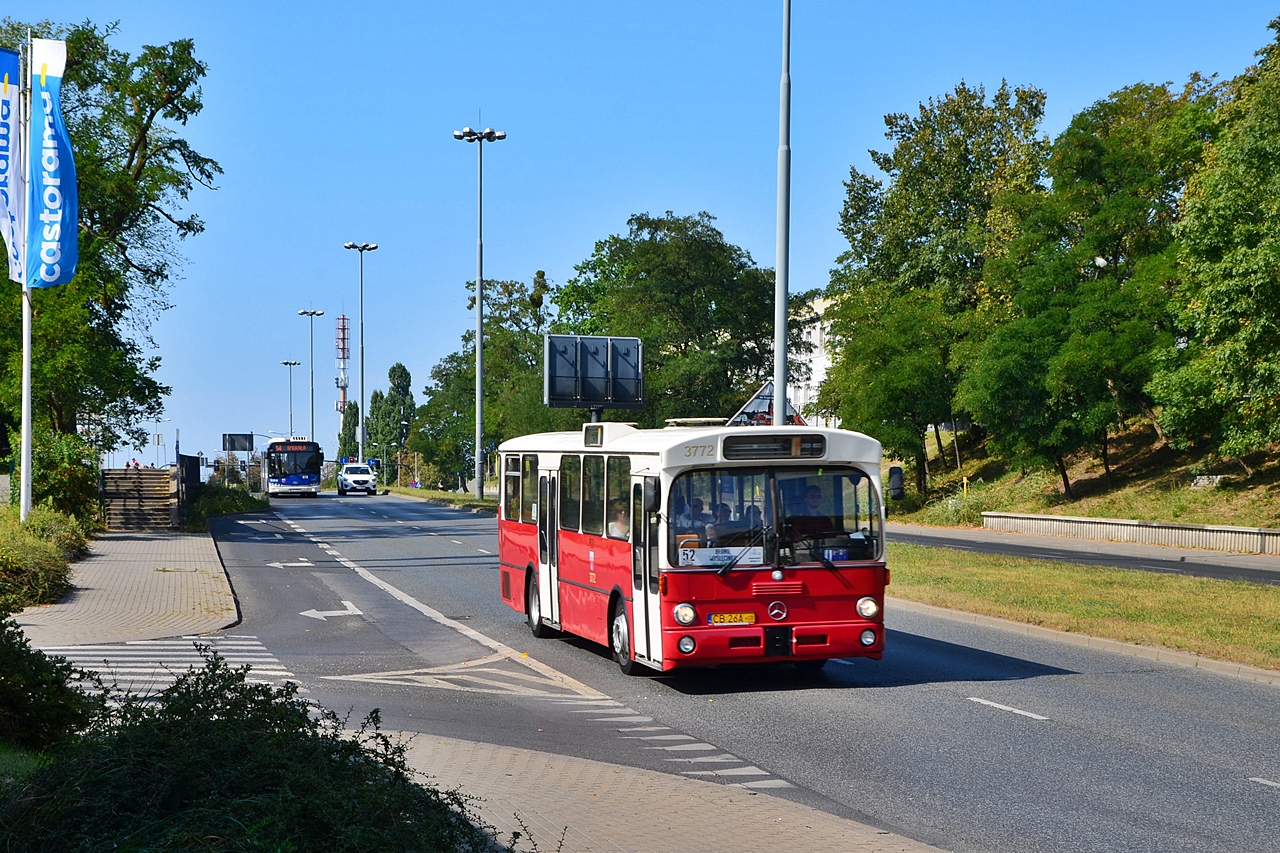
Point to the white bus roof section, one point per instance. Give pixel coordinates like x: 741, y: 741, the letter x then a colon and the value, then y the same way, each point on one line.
x: 681, y: 447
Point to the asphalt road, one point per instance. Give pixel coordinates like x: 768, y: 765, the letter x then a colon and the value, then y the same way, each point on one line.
x: 969, y: 738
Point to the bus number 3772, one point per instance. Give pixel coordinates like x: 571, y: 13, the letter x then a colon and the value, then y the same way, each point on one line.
x: 702, y: 546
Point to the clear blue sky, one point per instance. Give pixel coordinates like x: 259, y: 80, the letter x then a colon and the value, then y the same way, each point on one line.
x: 333, y: 122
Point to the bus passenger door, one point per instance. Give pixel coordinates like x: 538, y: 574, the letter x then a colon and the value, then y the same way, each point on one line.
x: 646, y: 614
x: 548, y: 548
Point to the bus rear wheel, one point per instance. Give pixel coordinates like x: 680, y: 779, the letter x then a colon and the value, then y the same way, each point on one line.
x: 533, y: 609
x: 620, y: 640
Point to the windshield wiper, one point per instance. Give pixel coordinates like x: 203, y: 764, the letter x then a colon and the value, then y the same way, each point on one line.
x: 728, y: 567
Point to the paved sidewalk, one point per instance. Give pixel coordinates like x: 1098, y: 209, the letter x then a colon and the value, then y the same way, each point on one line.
x: 606, y: 807
x: 137, y: 586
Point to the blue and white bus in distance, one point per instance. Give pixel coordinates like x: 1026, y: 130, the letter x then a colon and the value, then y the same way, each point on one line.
x: 293, y: 467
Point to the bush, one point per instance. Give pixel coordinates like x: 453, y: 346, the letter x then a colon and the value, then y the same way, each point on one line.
x: 218, y: 764
x: 65, y: 474
x: 61, y: 531
x: 960, y: 509
x: 32, y: 571
x: 215, y: 499
x: 40, y: 702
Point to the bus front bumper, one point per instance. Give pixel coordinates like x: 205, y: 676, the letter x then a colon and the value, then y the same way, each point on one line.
x: 760, y: 643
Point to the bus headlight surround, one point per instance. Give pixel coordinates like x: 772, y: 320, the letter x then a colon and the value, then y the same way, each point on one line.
x: 686, y: 644
x: 685, y: 614
x: 868, y: 638
x: 868, y: 607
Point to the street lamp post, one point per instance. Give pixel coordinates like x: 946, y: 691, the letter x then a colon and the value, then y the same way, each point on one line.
x: 479, y: 137
x: 291, y: 365
x: 311, y: 316
x: 361, y: 248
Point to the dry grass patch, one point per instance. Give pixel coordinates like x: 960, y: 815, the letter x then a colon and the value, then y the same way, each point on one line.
x: 1235, y: 621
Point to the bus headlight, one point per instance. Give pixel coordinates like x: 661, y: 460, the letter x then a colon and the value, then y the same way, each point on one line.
x: 868, y: 637
x: 868, y: 607
x: 686, y: 645
x: 685, y: 614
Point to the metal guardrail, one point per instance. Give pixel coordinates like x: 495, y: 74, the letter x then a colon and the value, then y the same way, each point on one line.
x: 1209, y: 537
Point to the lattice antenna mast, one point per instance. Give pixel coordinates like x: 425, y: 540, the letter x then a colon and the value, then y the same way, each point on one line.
x: 344, y: 356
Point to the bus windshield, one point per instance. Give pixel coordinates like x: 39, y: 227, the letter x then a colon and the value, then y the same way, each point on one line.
x: 287, y: 463
x: 772, y: 516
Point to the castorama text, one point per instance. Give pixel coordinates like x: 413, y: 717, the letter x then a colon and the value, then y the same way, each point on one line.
x: 52, y: 228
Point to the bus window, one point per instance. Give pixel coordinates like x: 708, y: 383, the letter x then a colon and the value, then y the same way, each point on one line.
x: 593, y: 494
x: 570, y: 492
x: 511, y: 490
x: 829, y: 513
x: 618, y: 483
x: 720, y: 509
x: 529, y: 488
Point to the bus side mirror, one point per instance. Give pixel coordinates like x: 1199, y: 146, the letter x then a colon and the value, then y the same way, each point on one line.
x: 652, y: 495
x: 896, y: 492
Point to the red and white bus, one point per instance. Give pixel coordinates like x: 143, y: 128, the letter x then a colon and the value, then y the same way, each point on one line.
x: 693, y: 546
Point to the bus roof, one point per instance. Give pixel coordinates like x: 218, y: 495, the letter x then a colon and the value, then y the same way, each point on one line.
x: 751, y: 445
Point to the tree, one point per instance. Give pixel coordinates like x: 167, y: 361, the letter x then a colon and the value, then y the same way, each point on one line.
x: 700, y: 304
x: 912, y: 292
x: 348, y: 443
x: 1221, y: 379
x: 445, y: 425
x: 1089, y: 274
x: 135, y: 173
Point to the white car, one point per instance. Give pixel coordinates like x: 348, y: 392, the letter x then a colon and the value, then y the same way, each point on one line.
x: 357, y: 478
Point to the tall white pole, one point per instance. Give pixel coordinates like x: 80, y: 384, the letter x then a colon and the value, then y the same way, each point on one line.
x: 784, y: 228
x: 360, y: 411
x: 480, y: 319
x: 24, y: 485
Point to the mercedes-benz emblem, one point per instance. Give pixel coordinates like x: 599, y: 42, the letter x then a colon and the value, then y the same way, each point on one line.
x: 777, y: 610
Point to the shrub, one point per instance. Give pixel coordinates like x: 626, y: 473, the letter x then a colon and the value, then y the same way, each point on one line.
x: 216, y: 499
x: 40, y: 702
x: 960, y: 509
x: 32, y: 571
x: 64, y: 473
x: 62, y: 531
x: 215, y: 763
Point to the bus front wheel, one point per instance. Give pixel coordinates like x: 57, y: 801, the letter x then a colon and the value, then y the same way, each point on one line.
x: 620, y: 639
x: 533, y: 609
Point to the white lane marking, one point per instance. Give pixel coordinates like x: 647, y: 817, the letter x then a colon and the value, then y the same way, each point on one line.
x: 728, y: 771
x: 333, y: 552
x: 841, y: 661
x: 502, y: 649
x: 456, y: 541
x: 399, y: 522
x: 272, y: 537
x: 433, y: 533
x: 253, y: 521
x: 483, y: 551
x: 1007, y: 708
x: 305, y: 562
x: 767, y: 783
x: 322, y: 615
x: 1262, y: 781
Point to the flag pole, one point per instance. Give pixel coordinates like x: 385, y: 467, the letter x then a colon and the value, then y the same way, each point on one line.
x: 24, y: 120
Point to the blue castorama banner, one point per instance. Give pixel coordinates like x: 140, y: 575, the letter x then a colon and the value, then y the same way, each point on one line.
x: 12, y: 185
x: 52, y: 216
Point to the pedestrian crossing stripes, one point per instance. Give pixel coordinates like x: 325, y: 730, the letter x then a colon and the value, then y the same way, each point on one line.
x: 683, y: 749
x: 145, y: 667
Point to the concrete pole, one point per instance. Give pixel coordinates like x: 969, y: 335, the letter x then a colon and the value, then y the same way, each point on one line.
x: 480, y: 319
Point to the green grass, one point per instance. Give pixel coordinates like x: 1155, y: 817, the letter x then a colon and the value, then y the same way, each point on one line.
x: 16, y: 764
x: 452, y: 498
x: 1233, y: 621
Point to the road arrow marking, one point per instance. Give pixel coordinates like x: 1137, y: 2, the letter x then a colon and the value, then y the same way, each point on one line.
x: 323, y: 614
x: 272, y: 537
x: 284, y: 565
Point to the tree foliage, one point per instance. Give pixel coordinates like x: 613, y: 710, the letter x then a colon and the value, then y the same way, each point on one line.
x: 348, y: 442
x: 135, y: 172
x: 1222, y: 378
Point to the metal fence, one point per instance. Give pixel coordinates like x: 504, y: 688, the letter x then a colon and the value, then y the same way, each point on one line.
x: 1248, y: 540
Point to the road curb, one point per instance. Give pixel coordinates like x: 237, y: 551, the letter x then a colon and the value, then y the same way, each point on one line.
x: 1169, y: 656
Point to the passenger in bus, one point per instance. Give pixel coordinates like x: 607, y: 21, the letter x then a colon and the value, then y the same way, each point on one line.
x: 725, y: 528
x: 694, y: 518
x: 811, y: 520
x: 618, y: 521
x: 754, y: 517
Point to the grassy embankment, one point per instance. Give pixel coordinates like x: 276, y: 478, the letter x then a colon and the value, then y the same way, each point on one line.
x: 1235, y: 621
